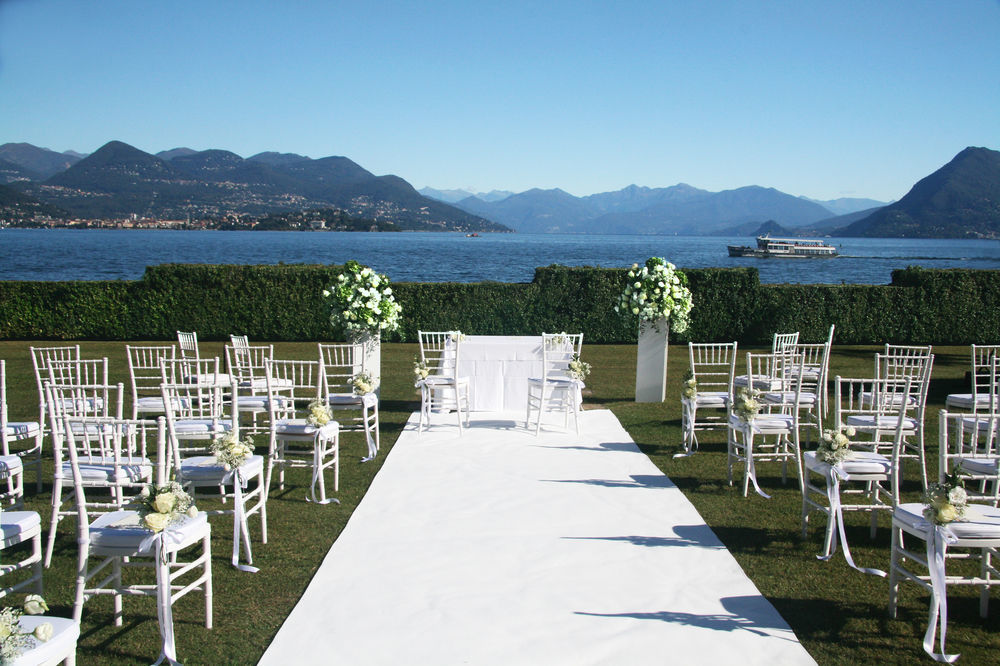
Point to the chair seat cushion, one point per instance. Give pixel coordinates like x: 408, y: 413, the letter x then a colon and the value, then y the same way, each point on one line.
x: 894, y: 399
x: 150, y: 404
x: 981, y: 423
x: 253, y: 403
x: 438, y: 380
x: 342, y: 399
x: 10, y: 465
x: 861, y: 463
x: 121, y: 533
x: 978, y: 465
x: 101, y: 469
x: 964, y: 401
x: 983, y: 521
x: 19, y: 525
x: 200, y: 470
x: 882, y: 422
x: 712, y: 399
x: 203, y: 427
x: 22, y: 429
x: 765, y: 424
x: 62, y: 645
x: 302, y: 429
x: 806, y: 399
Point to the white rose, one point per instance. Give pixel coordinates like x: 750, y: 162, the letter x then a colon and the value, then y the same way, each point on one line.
x: 44, y: 631
x: 165, y: 502
x: 157, y: 521
x: 34, y: 604
x: 192, y: 511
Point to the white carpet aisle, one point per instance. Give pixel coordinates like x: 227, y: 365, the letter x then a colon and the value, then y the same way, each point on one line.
x: 502, y: 548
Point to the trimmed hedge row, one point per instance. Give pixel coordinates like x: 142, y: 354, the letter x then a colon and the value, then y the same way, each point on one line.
x: 285, y: 302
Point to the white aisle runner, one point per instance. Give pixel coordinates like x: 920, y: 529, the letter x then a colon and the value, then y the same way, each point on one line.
x: 502, y: 548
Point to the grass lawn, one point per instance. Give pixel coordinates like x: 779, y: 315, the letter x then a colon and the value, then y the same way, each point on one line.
x: 839, y: 615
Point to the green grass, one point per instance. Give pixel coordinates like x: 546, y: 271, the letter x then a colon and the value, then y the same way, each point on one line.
x: 839, y: 615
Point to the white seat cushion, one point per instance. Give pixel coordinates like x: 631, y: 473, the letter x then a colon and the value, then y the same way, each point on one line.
x: 10, y: 465
x: 974, y: 465
x: 981, y: 423
x: 964, y: 401
x: 254, y: 403
x: 301, y: 429
x: 712, y: 399
x: 881, y: 422
x: 19, y: 525
x: 861, y: 463
x: 101, y: 470
x: 201, y: 470
x: 22, y: 429
x: 437, y: 380
x: 120, y: 533
x: 195, y: 427
x: 65, y: 633
x: 341, y: 399
x: 150, y: 404
x: 806, y: 399
x: 766, y: 424
x: 983, y: 521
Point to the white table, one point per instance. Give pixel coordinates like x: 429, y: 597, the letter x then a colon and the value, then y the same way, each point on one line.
x: 498, y: 368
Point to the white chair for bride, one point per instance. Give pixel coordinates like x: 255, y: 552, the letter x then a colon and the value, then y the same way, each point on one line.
x: 443, y: 390
x: 556, y: 389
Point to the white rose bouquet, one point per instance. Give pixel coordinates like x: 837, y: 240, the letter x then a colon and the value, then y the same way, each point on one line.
x: 361, y: 301
x: 420, y: 370
x: 689, y: 388
x: 319, y: 413
x: 231, y: 452
x: 654, y: 291
x: 945, y: 502
x: 13, y: 640
x: 835, y: 446
x: 747, y: 404
x: 162, y: 506
x: 363, y: 383
x: 578, y: 369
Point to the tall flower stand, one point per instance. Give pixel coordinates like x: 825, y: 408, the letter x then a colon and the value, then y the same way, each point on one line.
x: 371, y: 345
x: 651, y: 361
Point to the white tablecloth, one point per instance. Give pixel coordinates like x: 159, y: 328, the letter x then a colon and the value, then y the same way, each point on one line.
x: 498, y: 368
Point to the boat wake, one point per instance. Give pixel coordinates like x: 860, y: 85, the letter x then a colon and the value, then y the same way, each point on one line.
x: 916, y: 258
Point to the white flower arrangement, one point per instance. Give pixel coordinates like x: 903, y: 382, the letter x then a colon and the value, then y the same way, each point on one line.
x: 319, y: 413
x: 363, y: 383
x: 361, y: 301
x: 13, y: 640
x: 578, y: 369
x: 420, y: 370
x: 656, y: 291
x: 945, y: 502
x: 747, y: 404
x: 162, y: 506
x: 835, y: 446
x: 231, y: 452
x: 689, y: 388
x: 457, y: 336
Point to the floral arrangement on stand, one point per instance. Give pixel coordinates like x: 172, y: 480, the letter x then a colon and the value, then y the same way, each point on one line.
x: 319, y: 413
x: 945, y: 502
x: 13, y: 640
x: 689, y: 387
x: 747, y: 404
x: 361, y: 301
x: 657, y: 291
x: 231, y: 452
x: 363, y: 383
x: 835, y: 446
x: 578, y: 369
x: 162, y: 506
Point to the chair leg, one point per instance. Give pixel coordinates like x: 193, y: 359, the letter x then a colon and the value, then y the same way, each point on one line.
x: 54, y: 523
x: 897, y: 537
x: 207, y: 554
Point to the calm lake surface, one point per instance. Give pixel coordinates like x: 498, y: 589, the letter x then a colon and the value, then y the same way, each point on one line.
x: 91, y: 254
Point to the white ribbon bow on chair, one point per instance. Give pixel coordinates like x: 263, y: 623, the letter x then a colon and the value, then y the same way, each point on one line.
x: 369, y: 401
x: 938, y: 538
x: 833, y: 477
x: 157, y: 542
x: 241, y: 532
x: 323, y: 435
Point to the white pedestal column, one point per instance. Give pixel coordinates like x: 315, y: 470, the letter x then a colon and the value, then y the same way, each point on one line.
x: 651, y: 362
x: 372, y: 352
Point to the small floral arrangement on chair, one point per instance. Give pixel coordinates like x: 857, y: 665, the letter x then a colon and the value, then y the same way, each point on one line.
x: 835, y: 446
x: 231, y: 452
x: 945, y: 502
x: 747, y: 404
x: 689, y: 387
x: 363, y: 383
x: 578, y: 369
x: 319, y: 413
x: 457, y: 336
x: 162, y: 506
x: 656, y: 291
x: 13, y: 640
x: 420, y: 370
x: 361, y: 301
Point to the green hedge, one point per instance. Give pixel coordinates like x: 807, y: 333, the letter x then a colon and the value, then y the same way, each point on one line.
x: 285, y: 302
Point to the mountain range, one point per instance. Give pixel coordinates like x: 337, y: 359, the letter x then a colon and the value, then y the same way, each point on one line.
x: 119, y: 180
x: 961, y: 199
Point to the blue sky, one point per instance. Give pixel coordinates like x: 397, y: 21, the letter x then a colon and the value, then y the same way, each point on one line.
x: 815, y: 98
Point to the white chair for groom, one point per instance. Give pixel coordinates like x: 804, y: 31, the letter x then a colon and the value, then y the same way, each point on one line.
x: 556, y: 389
x: 341, y: 363
x: 443, y: 389
x: 713, y: 366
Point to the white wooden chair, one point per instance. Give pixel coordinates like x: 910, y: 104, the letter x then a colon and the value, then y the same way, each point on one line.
x: 443, y: 390
x: 292, y: 387
x: 12, y: 433
x: 916, y: 364
x: 61, y: 648
x: 18, y: 527
x: 982, y: 378
x: 879, y: 474
x: 116, y: 539
x: 246, y: 368
x: 187, y: 341
x: 199, y: 417
x: 76, y: 401
x: 556, y: 389
x: 761, y: 382
x: 713, y: 366
x: 40, y: 359
x: 340, y: 364
x: 778, y: 419
x: 976, y: 540
x: 145, y: 375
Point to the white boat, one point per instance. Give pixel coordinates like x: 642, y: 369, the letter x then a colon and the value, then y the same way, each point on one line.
x: 784, y: 247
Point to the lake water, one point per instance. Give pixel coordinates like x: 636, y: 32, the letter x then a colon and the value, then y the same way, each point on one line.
x: 64, y: 254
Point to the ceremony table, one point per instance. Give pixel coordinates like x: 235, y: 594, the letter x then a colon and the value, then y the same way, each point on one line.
x: 498, y: 368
